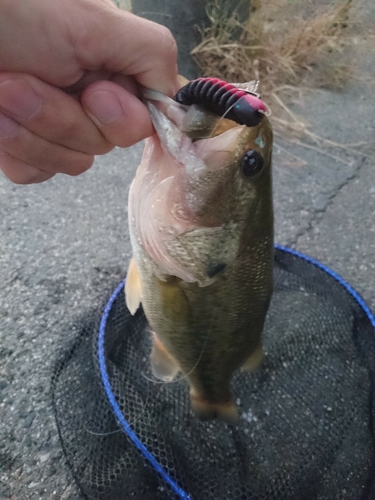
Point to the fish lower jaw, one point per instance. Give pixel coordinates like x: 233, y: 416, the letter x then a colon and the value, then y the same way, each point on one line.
x: 226, y: 412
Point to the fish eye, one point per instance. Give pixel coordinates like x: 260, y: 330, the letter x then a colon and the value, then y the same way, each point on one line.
x: 252, y: 163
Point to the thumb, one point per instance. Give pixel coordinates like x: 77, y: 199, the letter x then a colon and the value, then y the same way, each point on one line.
x: 119, y: 115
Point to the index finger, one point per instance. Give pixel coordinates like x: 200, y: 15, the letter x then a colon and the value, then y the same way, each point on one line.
x: 49, y: 113
x: 133, y: 46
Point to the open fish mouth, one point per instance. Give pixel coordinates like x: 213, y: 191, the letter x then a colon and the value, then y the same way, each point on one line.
x: 203, y: 109
x: 237, y: 102
x: 196, y: 138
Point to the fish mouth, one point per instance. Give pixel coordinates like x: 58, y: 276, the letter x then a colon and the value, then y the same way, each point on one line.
x: 167, y: 118
x: 193, y: 136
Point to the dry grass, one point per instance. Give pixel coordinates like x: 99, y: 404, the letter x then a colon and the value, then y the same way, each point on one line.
x: 124, y: 4
x: 285, y: 45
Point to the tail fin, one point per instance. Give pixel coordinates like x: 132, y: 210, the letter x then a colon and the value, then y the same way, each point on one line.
x: 226, y: 412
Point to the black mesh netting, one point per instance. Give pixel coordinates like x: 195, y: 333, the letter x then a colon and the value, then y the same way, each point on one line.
x: 306, y: 425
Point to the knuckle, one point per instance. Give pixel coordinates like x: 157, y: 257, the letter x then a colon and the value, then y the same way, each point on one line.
x: 82, y: 164
x: 69, y: 131
x: 9, y: 129
x: 21, y: 173
x: 169, y: 44
x: 35, y: 177
x: 102, y: 147
x: 72, y: 136
x: 3, y: 156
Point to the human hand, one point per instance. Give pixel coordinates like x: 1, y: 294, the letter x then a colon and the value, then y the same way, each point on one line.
x: 70, y: 76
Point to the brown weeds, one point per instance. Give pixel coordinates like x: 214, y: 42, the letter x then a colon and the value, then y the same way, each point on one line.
x: 285, y: 45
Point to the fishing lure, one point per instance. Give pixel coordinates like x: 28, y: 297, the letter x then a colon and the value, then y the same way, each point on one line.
x: 223, y: 99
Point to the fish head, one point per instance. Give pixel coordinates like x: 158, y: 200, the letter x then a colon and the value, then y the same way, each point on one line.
x: 202, y: 188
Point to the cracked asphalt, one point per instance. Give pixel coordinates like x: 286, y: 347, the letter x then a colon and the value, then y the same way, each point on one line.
x: 326, y: 207
x: 64, y: 246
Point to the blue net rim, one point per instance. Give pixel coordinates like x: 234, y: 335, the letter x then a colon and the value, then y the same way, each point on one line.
x: 111, y: 397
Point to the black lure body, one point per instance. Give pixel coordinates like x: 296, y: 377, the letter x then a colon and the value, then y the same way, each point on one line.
x: 223, y: 99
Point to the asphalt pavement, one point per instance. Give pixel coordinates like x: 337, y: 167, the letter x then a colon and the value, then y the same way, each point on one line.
x: 64, y: 245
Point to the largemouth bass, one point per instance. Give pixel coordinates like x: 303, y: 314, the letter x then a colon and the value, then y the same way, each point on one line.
x: 201, y: 228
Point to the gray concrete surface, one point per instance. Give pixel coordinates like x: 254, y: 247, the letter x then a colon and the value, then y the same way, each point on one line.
x: 326, y: 207
x: 64, y: 244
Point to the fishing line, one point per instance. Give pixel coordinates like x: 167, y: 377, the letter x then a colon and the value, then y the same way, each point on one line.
x: 191, y: 371
x: 103, y: 433
x: 223, y: 117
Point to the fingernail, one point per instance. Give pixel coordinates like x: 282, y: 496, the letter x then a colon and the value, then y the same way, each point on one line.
x: 8, y: 127
x: 18, y: 98
x: 104, y: 106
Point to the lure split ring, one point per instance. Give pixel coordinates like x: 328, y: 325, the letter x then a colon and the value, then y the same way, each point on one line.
x: 223, y: 99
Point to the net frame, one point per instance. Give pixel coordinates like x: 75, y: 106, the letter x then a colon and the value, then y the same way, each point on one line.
x: 110, y: 395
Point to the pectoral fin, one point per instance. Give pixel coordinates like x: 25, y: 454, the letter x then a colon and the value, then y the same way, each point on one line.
x: 174, y: 304
x: 174, y: 307
x: 133, y: 292
x: 163, y: 366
